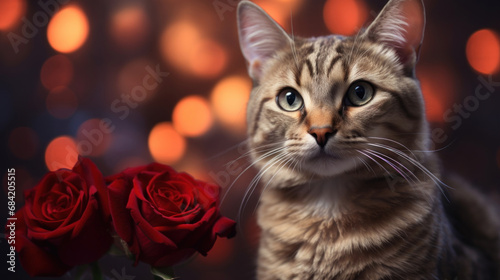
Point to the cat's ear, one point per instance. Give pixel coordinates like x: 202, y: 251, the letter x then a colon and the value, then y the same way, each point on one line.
x: 400, y: 25
x: 260, y: 37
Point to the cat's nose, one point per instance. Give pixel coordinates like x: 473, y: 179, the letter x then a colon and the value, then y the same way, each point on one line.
x: 321, y: 134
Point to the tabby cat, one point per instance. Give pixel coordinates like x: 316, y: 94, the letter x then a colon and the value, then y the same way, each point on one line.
x: 338, y: 130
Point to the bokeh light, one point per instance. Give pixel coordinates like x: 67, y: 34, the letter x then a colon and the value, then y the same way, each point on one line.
x: 192, y: 116
x: 438, y: 84
x: 56, y: 71
x: 68, y: 29
x: 93, y: 137
x: 23, y: 143
x: 130, y: 27
x: 61, y: 153
x: 434, y: 109
x: 344, y: 17
x: 483, y: 51
x: 183, y: 45
x: 11, y: 12
x: 194, y: 163
x: 61, y: 102
x: 229, y: 99
x: 165, y: 144
x: 280, y: 10
x: 131, y: 77
x: 209, y: 59
x: 292, y: 3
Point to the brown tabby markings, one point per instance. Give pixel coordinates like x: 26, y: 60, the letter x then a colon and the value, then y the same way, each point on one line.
x: 368, y: 204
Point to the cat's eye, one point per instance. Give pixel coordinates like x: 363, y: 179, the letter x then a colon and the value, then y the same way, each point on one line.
x: 289, y: 100
x: 359, y: 93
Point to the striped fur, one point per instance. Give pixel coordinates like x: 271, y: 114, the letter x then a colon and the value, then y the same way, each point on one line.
x: 367, y: 205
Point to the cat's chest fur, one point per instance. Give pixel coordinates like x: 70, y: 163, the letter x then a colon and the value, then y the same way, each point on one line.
x: 334, y: 230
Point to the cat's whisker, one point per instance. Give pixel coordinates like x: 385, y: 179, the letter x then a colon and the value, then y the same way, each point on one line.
x: 408, y: 158
x: 283, y: 164
x: 399, y: 171
x: 297, y: 165
x: 292, y: 43
x: 380, y: 165
x: 395, y: 142
x: 368, y: 167
x: 264, y: 156
x: 436, y: 150
x: 417, y: 164
x: 407, y: 179
x: 258, y: 149
x: 354, y: 45
x: 254, y: 183
x: 226, y: 150
x: 400, y: 164
x: 355, y: 163
x: 384, y: 159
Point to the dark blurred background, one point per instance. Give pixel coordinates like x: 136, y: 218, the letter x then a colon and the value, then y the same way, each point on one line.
x: 129, y: 82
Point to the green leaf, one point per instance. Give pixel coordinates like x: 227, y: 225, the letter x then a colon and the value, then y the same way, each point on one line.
x: 80, y: 270
x: 163, y: 273
x: 116, y: 251
x: 96, y: 271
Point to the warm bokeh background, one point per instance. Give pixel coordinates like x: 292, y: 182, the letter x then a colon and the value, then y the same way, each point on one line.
x: 78, y: 78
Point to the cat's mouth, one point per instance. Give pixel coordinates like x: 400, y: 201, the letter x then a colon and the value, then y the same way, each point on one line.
x: 322, y: 154
x: 323, y: 160
x: 327, y: 163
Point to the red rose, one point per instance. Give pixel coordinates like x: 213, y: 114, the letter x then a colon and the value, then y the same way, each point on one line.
x: 64, y: 222
x: 165, y: 216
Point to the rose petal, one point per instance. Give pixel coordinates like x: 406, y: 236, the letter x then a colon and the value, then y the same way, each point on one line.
x: 35, y: 261
x: 92, y: 207
x: 73, y: 219
x: 180, y: 236
x: 150, y: 251
x: 75, y: 215
x: 140, y: 184
x: 208, y: 195
x: 90, y: 242
x: 93, y: 177
x: 76, y: 182
x: 223, y: 227
x: 144, y: 226
x: 119, y: 191
x: 44, y: 186
x: 36, y: 227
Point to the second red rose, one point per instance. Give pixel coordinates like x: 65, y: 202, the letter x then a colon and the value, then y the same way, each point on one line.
x: 165, y: 216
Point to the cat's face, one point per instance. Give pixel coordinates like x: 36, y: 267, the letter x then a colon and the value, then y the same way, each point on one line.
x: 318, y: 102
